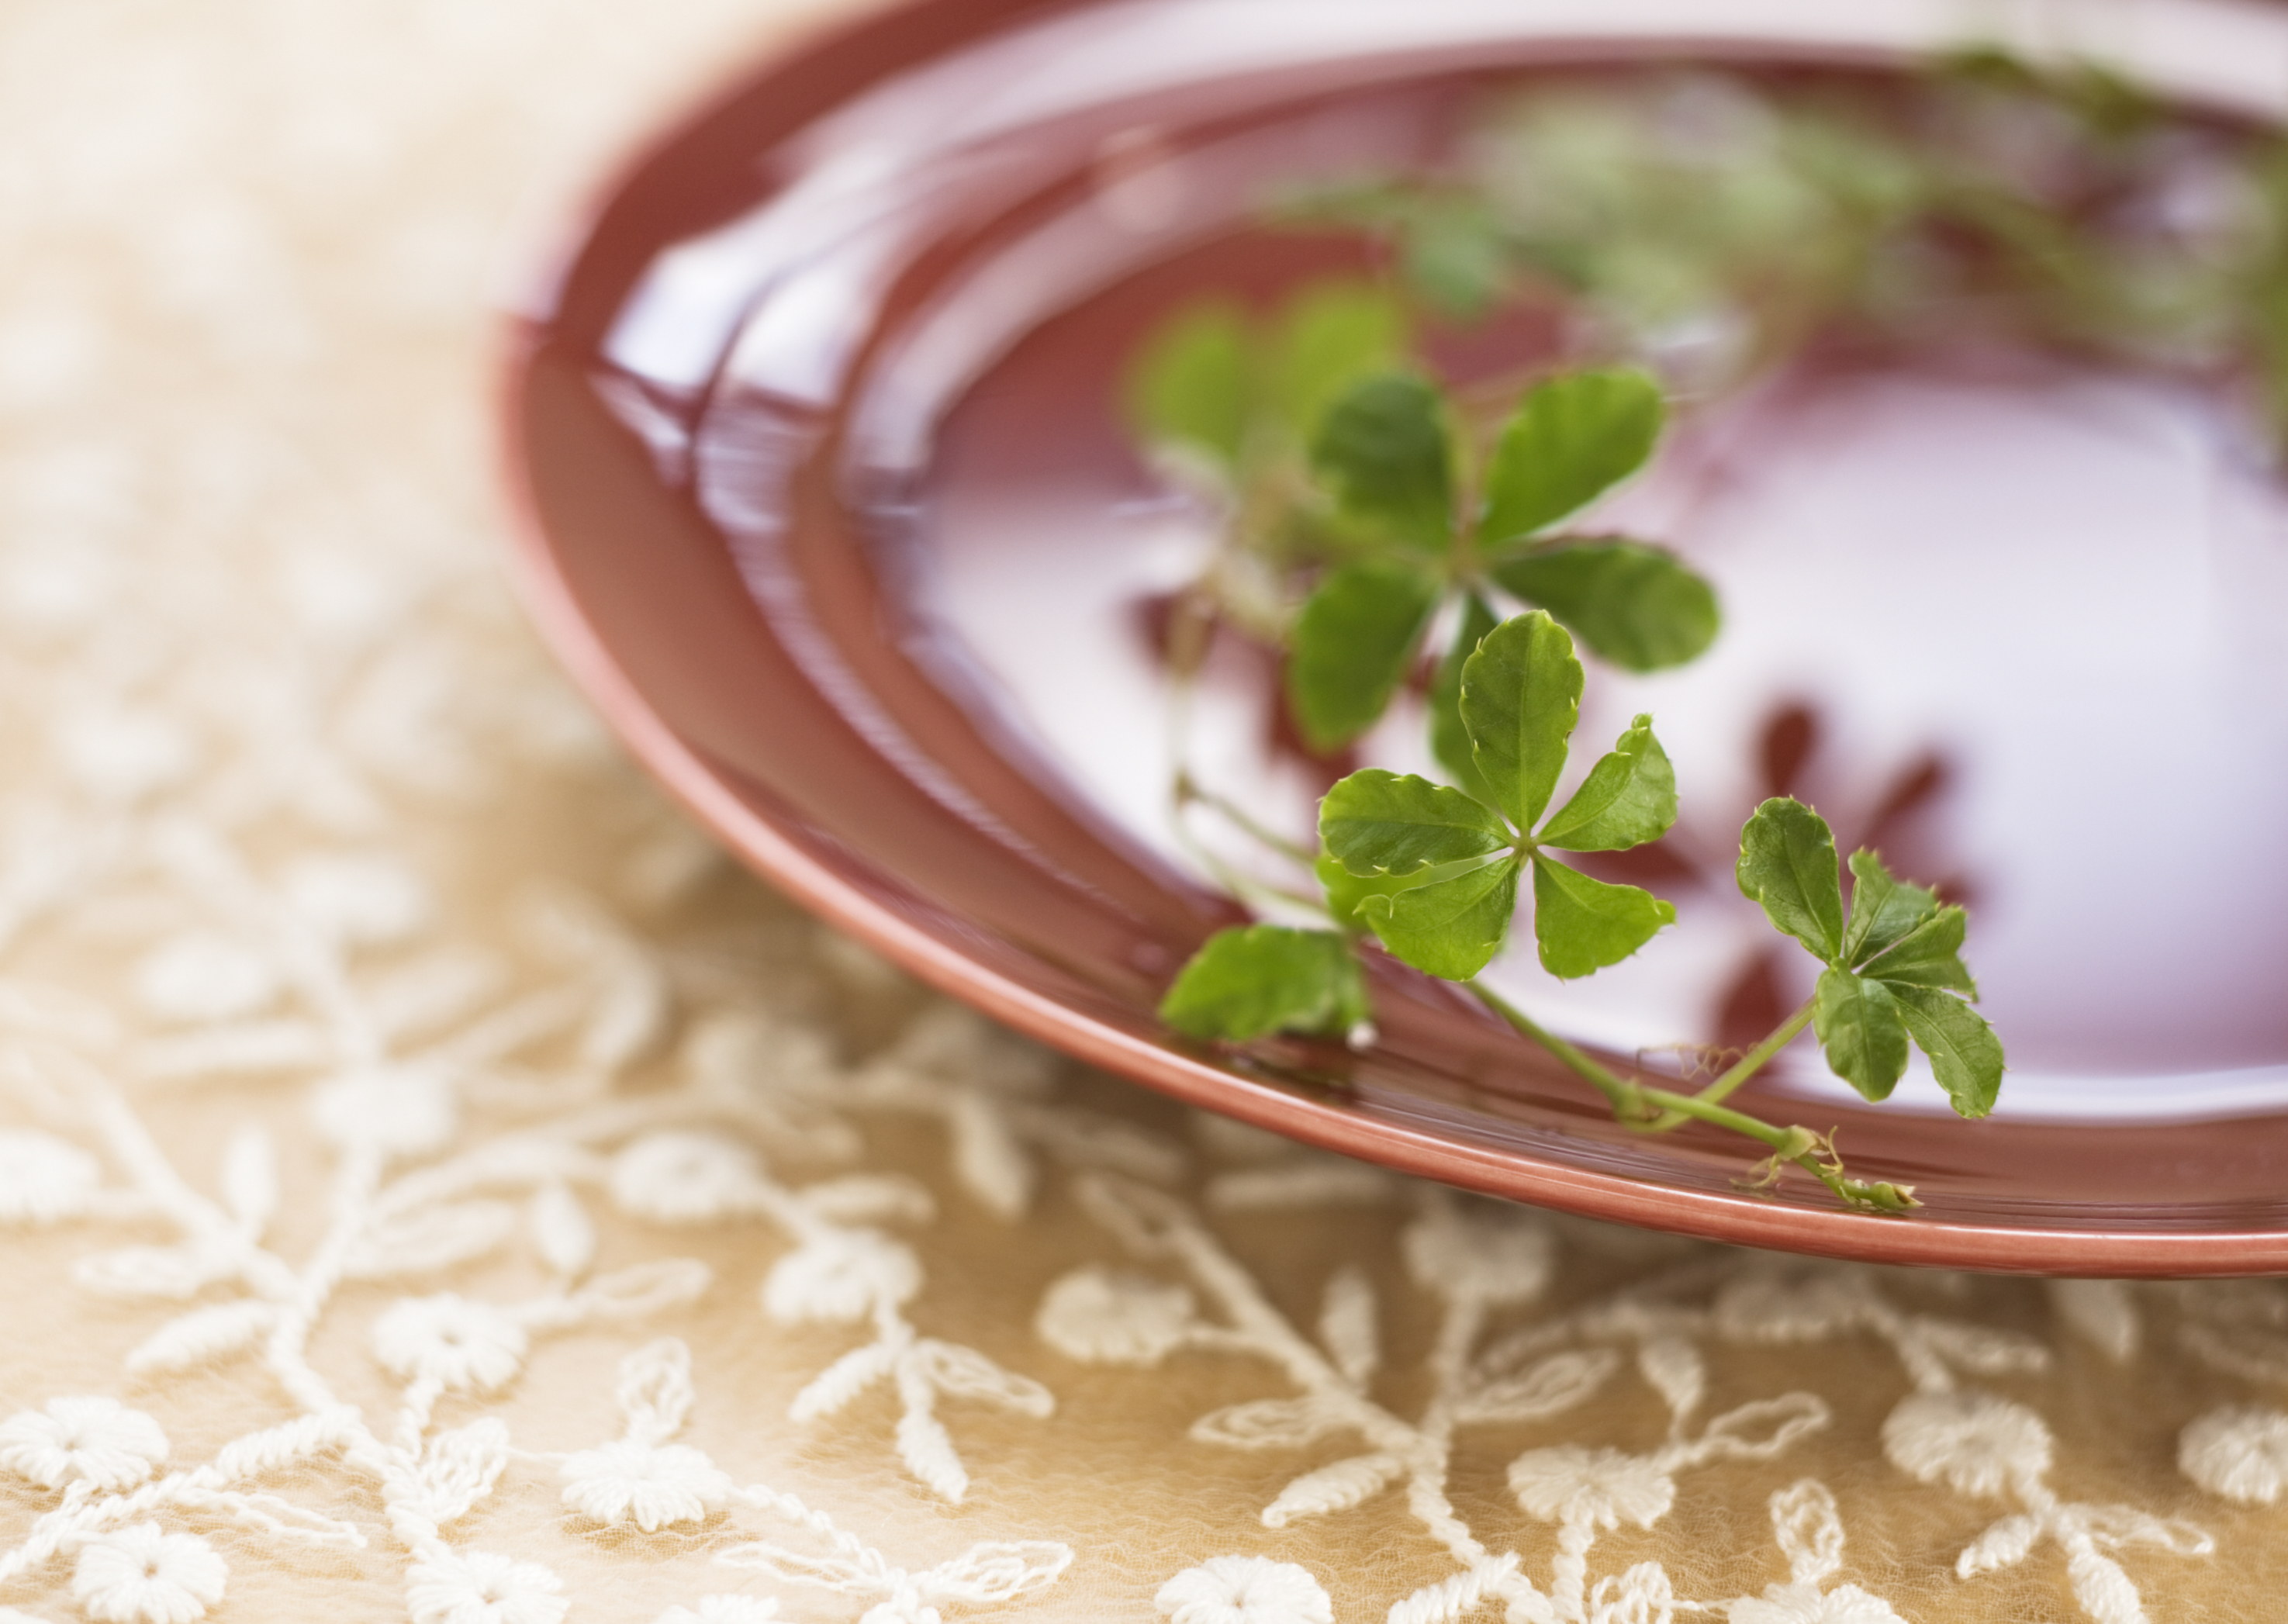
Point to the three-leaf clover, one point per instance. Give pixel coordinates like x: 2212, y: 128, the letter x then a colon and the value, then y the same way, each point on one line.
x: 1388, y: 454
x: 1894, y: 964
x: 1433, y: 872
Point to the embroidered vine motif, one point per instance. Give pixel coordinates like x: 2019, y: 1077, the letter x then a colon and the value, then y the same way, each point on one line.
x: 405, y: 1206
x: 1809, y: 1533
x: 641, y: 1479
x: 1474, y: 1260
x: 469, y: 1118
x: 986, y: 1574
x: 1974, y: 1443
x: 415, y: 1200
x: 840, y: 1272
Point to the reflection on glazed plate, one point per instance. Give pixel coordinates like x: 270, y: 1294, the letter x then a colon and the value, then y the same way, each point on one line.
x: 831, y: 516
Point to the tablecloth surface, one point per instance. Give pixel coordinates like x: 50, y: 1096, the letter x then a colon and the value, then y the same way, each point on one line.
x: 435, y: 1183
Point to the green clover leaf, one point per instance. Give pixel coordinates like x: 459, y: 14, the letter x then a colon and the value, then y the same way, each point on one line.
x: 1788, y: 863
x: 1253, y: 981
x: 1376, y: 822
x: 1450, y: 739
x: 1883, y: 909
x: 1858, y: 1024
x: 1634, y: 604
x: 1210, y: 381
x: 1353, y: 644
x: 1345, y: 891
x: 1628, y: 798
x: 1325, y: 339
x: 1893, y: 969
x: 1384, y: 451
x: 1964, y: 1054
x: 1521, y: 698
x: 1189, y: 386
x: 1929, y: 956
x: 1571, y: 438
x: 1582, y: 925
x: 1450, y: 928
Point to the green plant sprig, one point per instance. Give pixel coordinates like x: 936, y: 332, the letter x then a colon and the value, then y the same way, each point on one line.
x: 1351, y: 500
x: 1800, y: 213
x: 1653, y: 1109
x: 1225, y: 404
x: 1433, y: 874
x: 1359, y: 501
x: 1436, y: 527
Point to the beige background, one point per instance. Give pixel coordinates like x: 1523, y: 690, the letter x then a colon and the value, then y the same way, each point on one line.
x: 313, y: 875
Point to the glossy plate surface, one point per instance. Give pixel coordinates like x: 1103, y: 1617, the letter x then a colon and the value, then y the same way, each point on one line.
x: 762, y: 413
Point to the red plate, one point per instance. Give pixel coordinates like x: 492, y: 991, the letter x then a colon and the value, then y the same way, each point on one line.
x: 732, y: 401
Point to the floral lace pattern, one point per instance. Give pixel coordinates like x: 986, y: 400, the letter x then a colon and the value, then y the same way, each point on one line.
x: 431, y: 1180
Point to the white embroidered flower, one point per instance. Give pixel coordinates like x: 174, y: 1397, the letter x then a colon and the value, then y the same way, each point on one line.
x: 1494, y: 1257
x: 684, y: 1177
x: 724, y: 1609
x: 124, y: 756
x: 1978, y: 1444
x: 469, y: 1346
x: 1245, y: 1590
x: 1102, y: 1317
x: 361, y: 900
x: 1779, y: 1304
x: 2240, y: 1453
x: 653, y: 1486
x: 56, y: 588
x: 204, y: 976
x: 144, y: 1575
x: 1803, y: 1604
x: 1603, y: 1487
x: 476, y: 1586
x: 840, y: 1275
x: 398, y: 1109
x: 43, y: 1179
x: 98, y: 1441
x: 1641, y: 1596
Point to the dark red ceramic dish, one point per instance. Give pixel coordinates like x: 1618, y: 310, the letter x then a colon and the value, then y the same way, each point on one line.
x: 719, y: 411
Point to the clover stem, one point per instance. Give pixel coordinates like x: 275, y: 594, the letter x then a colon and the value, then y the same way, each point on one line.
x: 1187, y: 628
x: 1631, y: 1100
x: 1814, y: 1154
x: 1188, y: 793
x: 1682, y: 1106
x: 1745, y: 1068
x: 1625, y: 1098
x: 1247, y: 885
x: 1233, y: 879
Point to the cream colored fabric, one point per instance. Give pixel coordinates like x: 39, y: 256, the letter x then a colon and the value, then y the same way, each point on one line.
x: 432, y: 1184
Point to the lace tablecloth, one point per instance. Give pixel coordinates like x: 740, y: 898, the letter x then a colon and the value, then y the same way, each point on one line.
x: 434, y: 1183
